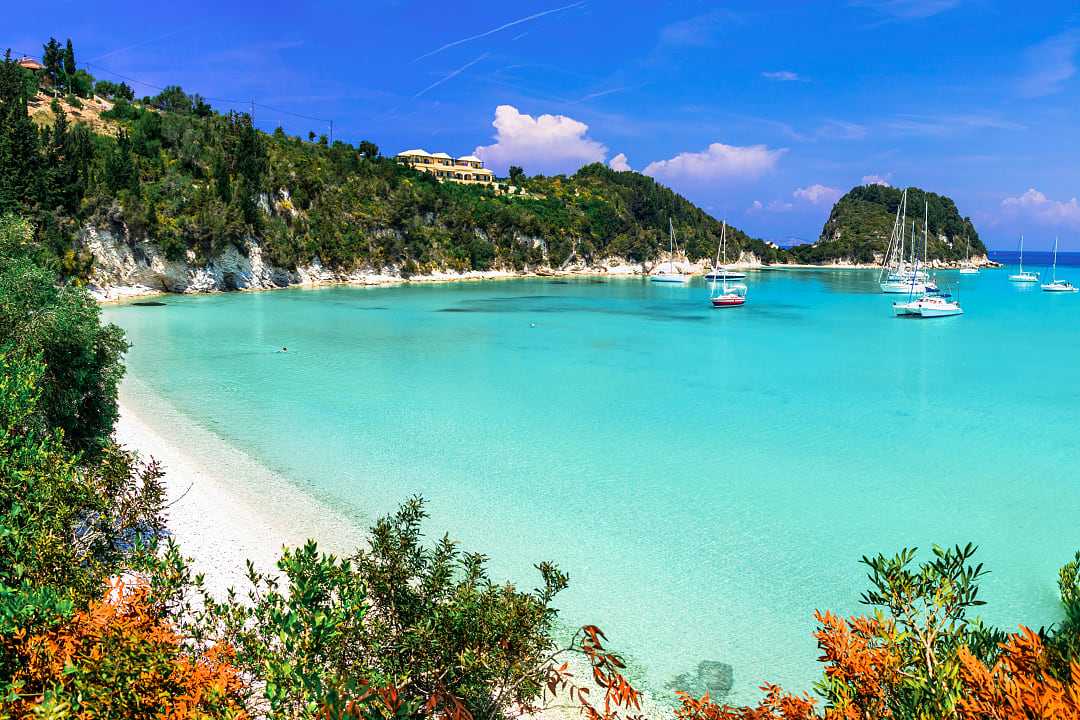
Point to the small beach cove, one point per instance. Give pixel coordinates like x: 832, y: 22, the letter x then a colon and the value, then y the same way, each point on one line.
x: 739, y: 464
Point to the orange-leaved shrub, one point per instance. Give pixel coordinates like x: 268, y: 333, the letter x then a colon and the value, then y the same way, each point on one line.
x: 1021, y: 684
x: 119, y: 658
x: 919, y: 657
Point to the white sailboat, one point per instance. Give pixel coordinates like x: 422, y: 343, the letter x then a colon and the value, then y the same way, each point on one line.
x: 668, y: 272
x: 1022, y: 276
x: 730, y: 295
x: 723, y: 272
x: 896, y: 277
x: 1055, y: 285
x: 927, y: 303
x: 968, y: 268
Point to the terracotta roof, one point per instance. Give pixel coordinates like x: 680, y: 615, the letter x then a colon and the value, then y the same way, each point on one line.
x: 29, y: 64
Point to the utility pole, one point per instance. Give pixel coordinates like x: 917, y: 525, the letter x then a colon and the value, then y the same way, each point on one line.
x: 331, y: 132
x: 252, y: 113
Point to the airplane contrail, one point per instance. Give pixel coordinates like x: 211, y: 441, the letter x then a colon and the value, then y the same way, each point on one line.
x: 500, y: 28
x: 450, y: 75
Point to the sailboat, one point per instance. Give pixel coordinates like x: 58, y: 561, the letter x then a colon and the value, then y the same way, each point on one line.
x: 1022, y: 276
x: 668, y: 272
x: 723, y: 272
x: 968, y: 268
x: 1055, y: 285
x: 929, y: 303
x: 895, y: 276
x: 732, y: 295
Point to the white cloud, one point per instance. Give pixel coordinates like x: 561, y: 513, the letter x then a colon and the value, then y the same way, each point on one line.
x: 877, y: 180
x: 620, y: 162
x: 840, y: 130
x: 774, y: 206
x: 1050, y: 64
x: 785, y: 75
x: 544, y: 144
x: 943, y: 125
x: 909, y: 9
x: 718, y: 161
x: 1034, y: 206
x: 817, y: 194
x: 696, y: 31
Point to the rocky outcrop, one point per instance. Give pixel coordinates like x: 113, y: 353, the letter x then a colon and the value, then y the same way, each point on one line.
x: 125, y: 267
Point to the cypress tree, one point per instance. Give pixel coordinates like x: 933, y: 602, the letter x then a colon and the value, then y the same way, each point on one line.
x: 69, y: 66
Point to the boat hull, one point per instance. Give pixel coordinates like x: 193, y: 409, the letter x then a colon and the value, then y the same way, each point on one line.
x: 727, y: 301
x: 939, y: 312
x: 669, y: 278
x: 1024, y: 278
x: 903, y: 288
x: 725, y: 275
x: 1059, y: 288
x: 923, y: 309
x: 969, y: 271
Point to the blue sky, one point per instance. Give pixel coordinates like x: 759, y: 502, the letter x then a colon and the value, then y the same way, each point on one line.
x: 761, y: 112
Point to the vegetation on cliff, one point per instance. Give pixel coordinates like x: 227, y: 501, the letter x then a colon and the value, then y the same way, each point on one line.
x: 170, y: 170
x: 860, y: 224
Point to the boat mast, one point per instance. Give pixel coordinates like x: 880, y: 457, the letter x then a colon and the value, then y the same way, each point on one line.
x: 670, y: 243
x: 886, y: 261
x: 716, y: 264
x: 926, y: 234
x: 1021, y: 253
x: 1054, y: 280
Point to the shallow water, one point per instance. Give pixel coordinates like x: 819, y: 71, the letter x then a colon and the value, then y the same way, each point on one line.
x: 708, y: 478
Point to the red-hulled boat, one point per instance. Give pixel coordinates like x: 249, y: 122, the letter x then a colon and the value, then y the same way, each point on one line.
x: 729, y: 299
x: 730, y: 295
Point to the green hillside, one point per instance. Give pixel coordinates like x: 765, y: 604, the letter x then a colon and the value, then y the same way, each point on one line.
x: 860, y: 223
x: 171, y: 171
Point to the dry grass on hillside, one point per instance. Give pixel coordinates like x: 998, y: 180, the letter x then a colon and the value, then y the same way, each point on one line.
x: 90, y: 113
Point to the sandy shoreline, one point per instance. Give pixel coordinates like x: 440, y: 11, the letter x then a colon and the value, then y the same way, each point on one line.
x: 224, y: 508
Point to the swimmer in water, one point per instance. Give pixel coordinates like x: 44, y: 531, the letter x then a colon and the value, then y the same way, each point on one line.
x: 284, y: 349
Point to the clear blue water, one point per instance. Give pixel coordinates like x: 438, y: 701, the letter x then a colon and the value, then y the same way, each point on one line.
x: 708, y: 478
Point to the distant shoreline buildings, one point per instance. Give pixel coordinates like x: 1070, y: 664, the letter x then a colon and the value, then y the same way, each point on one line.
x: 467, y: 169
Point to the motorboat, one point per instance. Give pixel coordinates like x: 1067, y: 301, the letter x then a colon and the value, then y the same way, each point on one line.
x: 928, y: 306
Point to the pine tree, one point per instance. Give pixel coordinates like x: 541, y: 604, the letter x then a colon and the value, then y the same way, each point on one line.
x: 120, y: 171
x: 19, y: 162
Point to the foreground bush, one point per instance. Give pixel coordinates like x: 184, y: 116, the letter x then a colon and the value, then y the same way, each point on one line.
x: 920, y: 656
x: 118, y: 659
x: 83, y: 359
x: 425, y: 621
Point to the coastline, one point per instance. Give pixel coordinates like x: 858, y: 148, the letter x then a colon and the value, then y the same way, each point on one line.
x: 225, y: 509
x: 114, y: 292
x: 217, y: 507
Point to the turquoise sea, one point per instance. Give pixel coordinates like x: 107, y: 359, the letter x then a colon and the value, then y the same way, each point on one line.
x: 708, y: 478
